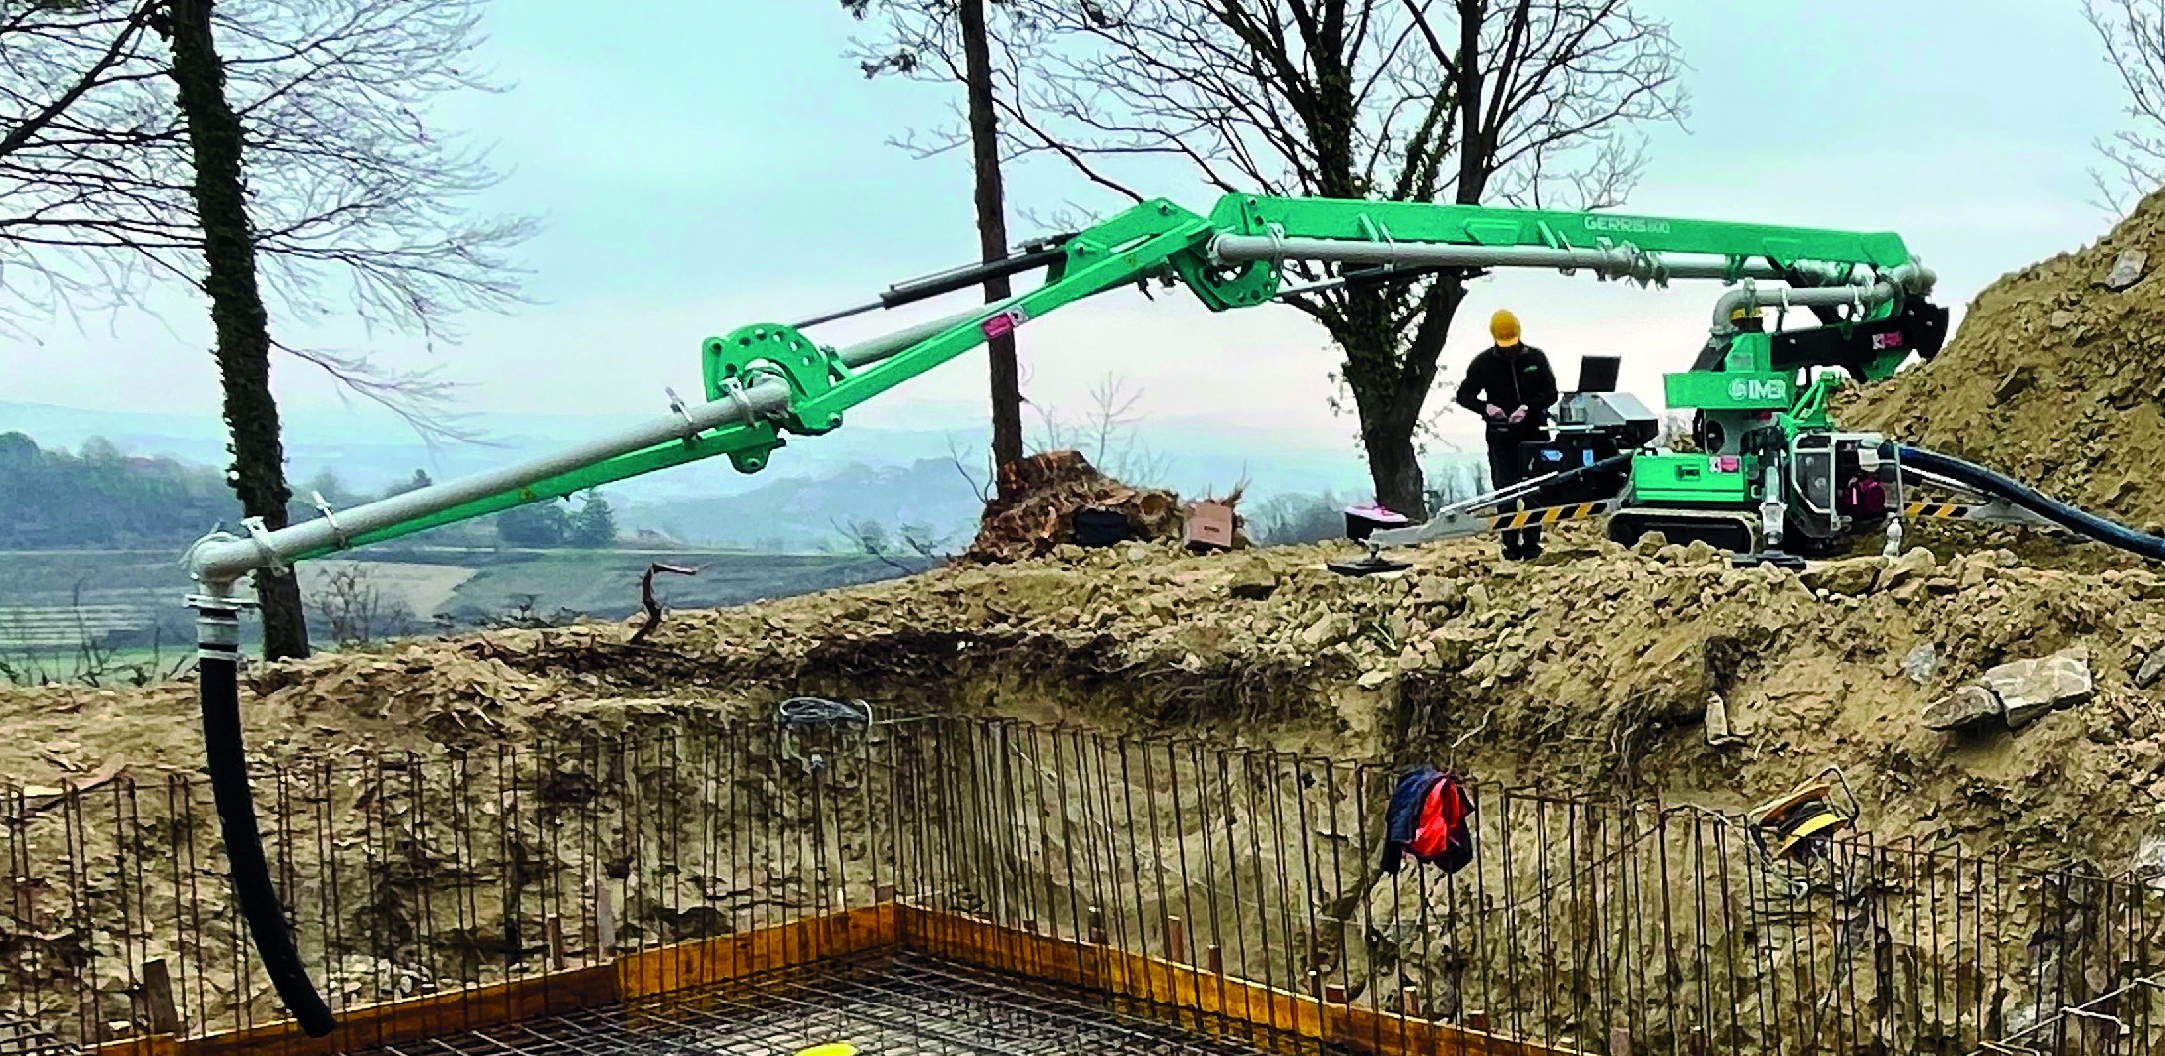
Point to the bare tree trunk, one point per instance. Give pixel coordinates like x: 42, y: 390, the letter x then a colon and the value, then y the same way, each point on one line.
x: 992, y: 242
x: 1395, y: 469
x: 1394, y: 466
x: 1391, y: 372
x: 237, y: 313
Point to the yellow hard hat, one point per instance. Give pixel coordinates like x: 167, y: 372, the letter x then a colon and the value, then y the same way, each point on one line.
x: 1504, y: 327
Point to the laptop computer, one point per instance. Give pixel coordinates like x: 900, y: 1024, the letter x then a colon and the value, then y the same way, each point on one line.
x: 1599, y: 373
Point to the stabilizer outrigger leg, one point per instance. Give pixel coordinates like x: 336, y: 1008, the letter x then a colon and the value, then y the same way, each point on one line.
x: 1464, y: 519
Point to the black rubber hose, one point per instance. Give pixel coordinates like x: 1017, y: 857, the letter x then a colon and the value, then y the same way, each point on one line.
x: 252, y: 890
x: 2068, y: 517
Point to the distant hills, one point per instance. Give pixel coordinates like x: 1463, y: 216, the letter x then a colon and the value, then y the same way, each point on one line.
x: 798, y: 513
x: 893, y: 476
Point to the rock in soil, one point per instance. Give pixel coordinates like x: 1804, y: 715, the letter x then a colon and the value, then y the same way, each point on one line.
x: 1852, y: 576
x: 1921, y: 663
x: 1253, y: 582
x: 2126, y: 271
x: 1965, y: 707
x: 2152, y: 669
x: 2030, y: 688
x: 1718, y: 731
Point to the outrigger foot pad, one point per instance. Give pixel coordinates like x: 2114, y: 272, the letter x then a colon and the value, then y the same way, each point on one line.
x: 1367, y: 566
x: 1770, y: 557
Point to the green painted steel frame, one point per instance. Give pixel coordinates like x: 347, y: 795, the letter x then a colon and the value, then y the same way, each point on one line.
x: 1154, y: 239
x: 1475, y: 225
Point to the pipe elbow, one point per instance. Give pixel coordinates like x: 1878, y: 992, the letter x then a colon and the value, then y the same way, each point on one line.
x: 1915, y: 278
x: 207, y: 564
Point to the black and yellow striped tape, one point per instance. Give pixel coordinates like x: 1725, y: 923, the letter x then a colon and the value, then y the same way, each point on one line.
x: 1936, y: 509
x: 1525, y: 518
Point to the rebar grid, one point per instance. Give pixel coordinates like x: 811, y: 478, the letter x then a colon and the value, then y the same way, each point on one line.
x: 890, y: 1005
x: 1582, y: 924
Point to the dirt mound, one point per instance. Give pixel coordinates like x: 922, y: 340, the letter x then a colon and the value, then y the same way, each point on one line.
x: 1053, y: 487
x: 1591, y: 670
x: 2056, y: 377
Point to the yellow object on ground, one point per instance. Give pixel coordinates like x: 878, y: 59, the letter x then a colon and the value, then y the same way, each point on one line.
x: 1804, y: 815
x: 1504, y: 327
x: 838, y: 1048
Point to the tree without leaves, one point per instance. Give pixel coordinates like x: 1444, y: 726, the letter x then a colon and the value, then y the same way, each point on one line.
x: 1468, y: 101
x: 1107, y: 435
x: 2132, y: 34
x: 238, y: 319
x: 871, y: 538
x: 122, y: 164
x: 357, y: 202
x: 949, y: 28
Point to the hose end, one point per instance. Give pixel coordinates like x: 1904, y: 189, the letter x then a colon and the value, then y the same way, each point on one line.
x: 225, y: 759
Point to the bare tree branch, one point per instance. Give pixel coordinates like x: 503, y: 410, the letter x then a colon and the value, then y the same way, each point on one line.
x: 2132, y: 35
x: 1468, y: 101
x: 358, y: 202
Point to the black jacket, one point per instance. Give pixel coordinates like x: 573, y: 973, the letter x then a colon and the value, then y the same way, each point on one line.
x: 1524, y: 380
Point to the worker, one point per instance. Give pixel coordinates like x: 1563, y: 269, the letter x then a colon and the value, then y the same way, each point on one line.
x: 1511, y: 386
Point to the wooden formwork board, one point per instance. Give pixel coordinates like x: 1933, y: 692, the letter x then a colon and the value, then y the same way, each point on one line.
x: 1188, y: 993
x: 708, y: 962
x: 1204, y: 995
x: 630, y: 977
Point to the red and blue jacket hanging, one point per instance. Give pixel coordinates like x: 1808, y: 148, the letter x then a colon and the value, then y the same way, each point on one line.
x: 1431, y: 816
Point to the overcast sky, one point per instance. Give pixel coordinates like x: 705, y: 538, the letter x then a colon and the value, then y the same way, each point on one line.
x: 709, y: 164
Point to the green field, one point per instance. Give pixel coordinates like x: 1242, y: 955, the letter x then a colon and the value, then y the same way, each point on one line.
x: 132, y: 600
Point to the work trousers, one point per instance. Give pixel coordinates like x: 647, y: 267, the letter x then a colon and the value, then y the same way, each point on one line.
x: 1506, y: 468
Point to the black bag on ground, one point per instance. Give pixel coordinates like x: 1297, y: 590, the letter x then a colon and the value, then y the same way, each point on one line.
x: 1096, y: 526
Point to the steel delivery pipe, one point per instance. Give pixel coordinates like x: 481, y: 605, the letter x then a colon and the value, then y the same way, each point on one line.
x: 1612, y: 262
x: 1913, y: 278
x: 219, y: 560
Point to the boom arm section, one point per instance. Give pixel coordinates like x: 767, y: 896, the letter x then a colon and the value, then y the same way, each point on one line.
x: 768, y: 380
x: 762, y: 381
x: 1263, y: 228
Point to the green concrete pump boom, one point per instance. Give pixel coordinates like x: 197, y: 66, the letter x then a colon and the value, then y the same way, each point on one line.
x: 1229, y: 259
x: 768, y: 380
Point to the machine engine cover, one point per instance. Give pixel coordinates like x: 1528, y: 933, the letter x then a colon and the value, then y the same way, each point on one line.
x: 1620, y: 415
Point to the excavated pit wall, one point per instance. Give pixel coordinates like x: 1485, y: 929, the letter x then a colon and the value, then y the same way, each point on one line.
x: 1590, y: 676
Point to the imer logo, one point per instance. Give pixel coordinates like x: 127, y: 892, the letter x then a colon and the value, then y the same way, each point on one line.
x: 1629, y: 224
x: 1758, y: 389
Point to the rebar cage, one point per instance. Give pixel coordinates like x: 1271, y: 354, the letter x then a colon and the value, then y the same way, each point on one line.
x: 944, y: 884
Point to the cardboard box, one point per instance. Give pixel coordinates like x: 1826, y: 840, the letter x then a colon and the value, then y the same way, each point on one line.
x: 1210, y: 525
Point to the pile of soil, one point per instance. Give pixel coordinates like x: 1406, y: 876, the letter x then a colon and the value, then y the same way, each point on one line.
x: 1596, y: 671
x: 1591, y: 670
x: 2055, y: 377
x: 1050, y: 488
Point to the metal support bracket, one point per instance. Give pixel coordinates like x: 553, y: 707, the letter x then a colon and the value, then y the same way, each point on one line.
x: 732, y: 362
x: 338, y: 533
x: 260, y: 534
x: 779, y: 351
x: 676, y: 403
